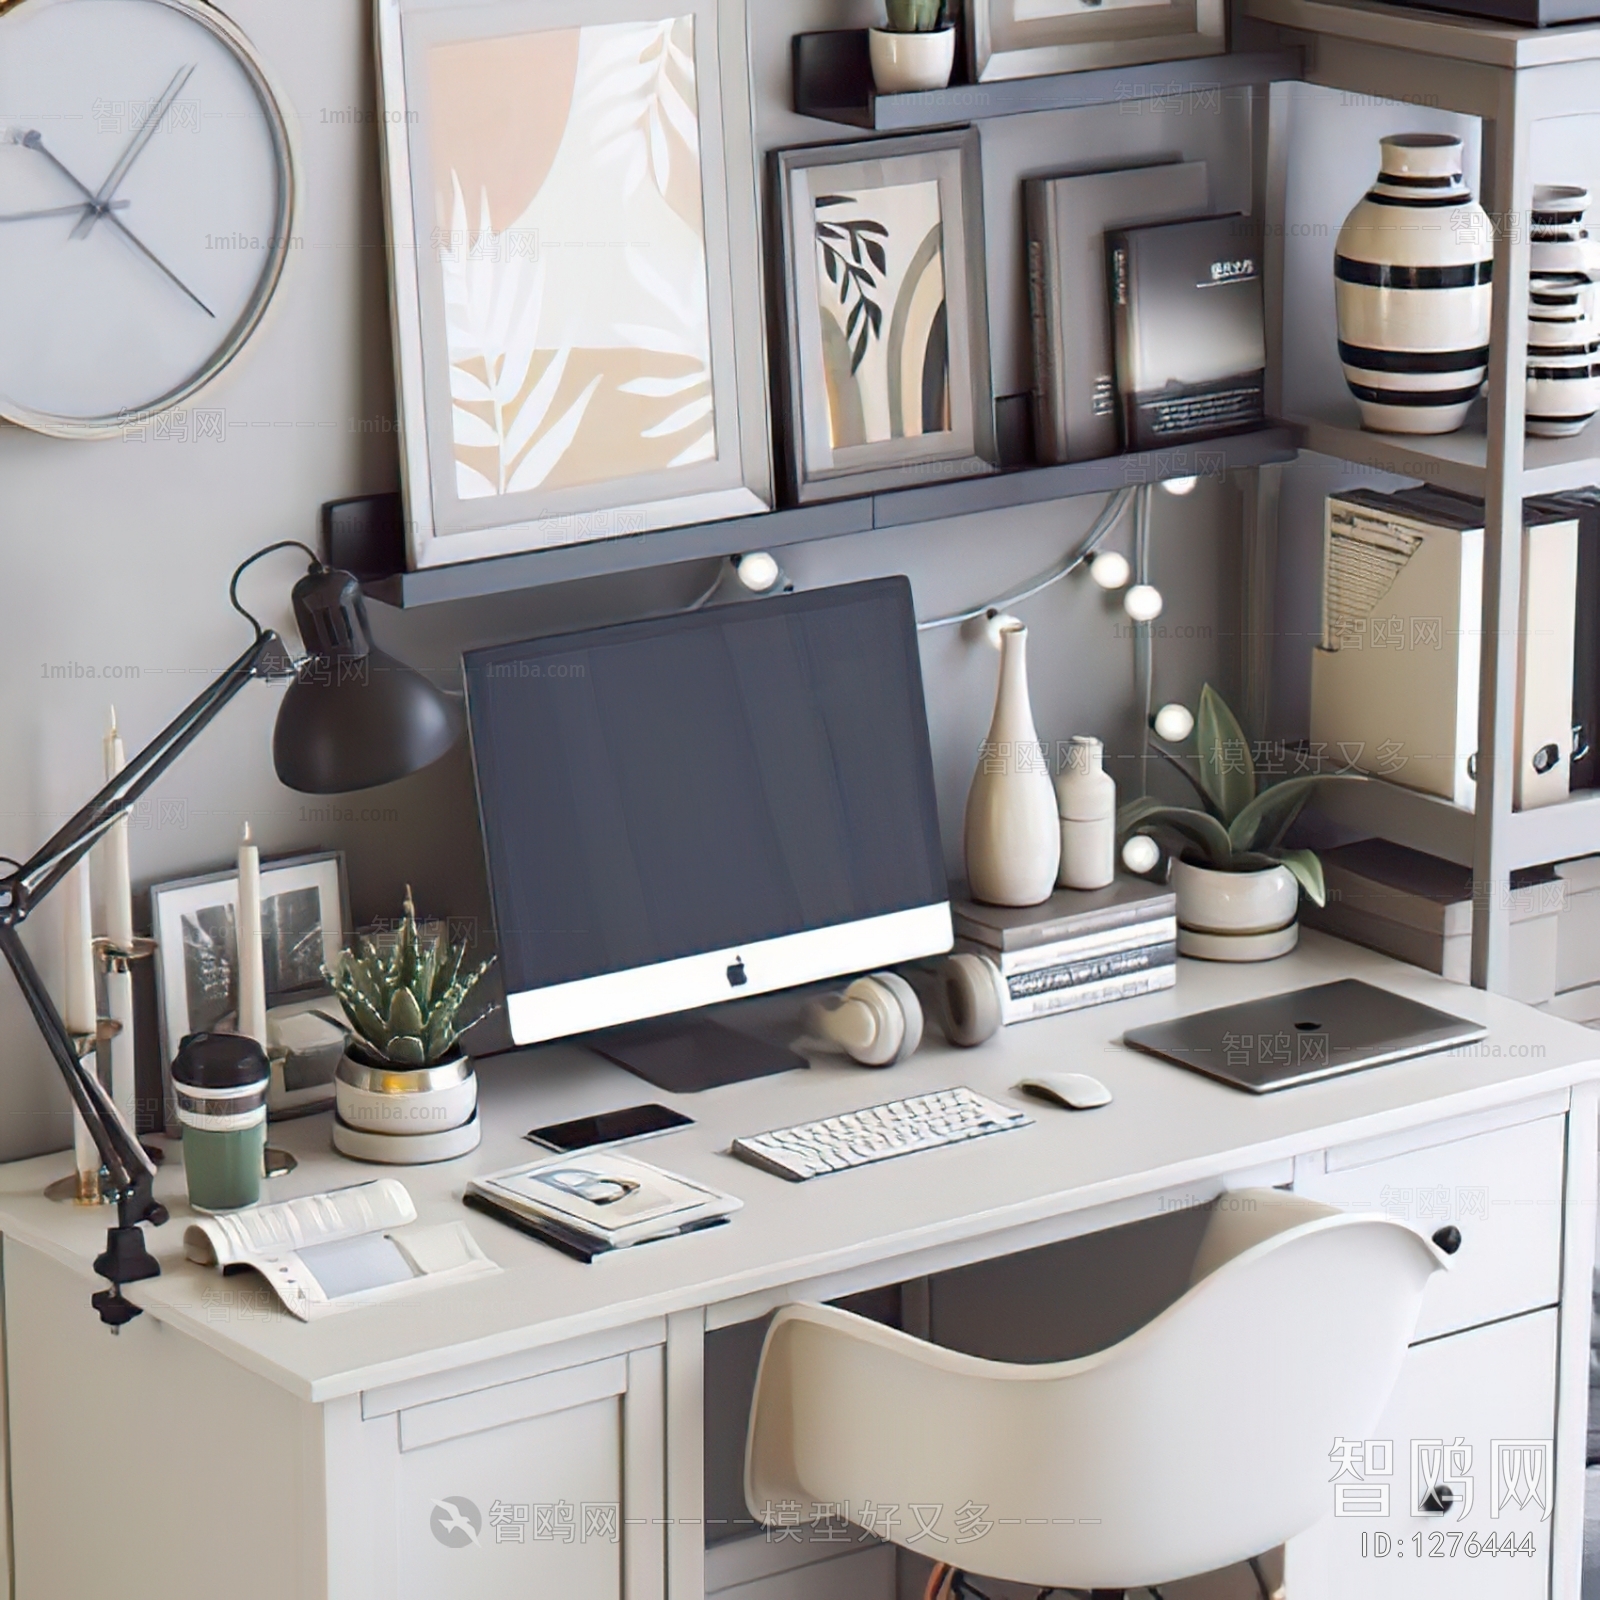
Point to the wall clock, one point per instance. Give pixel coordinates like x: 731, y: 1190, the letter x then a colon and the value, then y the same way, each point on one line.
x: 146, y: 207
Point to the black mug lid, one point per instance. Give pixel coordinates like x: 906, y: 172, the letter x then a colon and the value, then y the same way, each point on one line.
x: 220, y: 1061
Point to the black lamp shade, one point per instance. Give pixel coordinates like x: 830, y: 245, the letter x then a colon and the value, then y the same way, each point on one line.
x: 354, y: 717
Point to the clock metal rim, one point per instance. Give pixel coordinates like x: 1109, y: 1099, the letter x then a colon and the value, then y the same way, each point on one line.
x: 273, y: 105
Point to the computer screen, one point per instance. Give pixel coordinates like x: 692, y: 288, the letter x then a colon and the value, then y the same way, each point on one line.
x: 692, y: 808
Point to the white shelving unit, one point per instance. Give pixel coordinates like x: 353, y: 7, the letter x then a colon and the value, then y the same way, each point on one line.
x: 1511, y: 79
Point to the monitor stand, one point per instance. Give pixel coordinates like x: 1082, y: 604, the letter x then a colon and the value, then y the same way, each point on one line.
x: 687, y: 1054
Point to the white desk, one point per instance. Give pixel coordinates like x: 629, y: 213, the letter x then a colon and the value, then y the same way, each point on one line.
x: 218, y: 1440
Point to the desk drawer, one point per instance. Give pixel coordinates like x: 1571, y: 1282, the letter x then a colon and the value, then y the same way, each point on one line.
x: 1502, y: 1189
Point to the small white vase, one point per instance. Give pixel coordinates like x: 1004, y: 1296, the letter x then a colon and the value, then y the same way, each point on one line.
x: 906, y: 63
x: 1412, y: 269
x: 1012, y: 833
x: 1236, y: 916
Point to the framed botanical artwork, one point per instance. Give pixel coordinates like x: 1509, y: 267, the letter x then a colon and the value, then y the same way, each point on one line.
x: 305, y: 914
x: 572, y: 217
x: 885, y: 364
x: 1027, y: 38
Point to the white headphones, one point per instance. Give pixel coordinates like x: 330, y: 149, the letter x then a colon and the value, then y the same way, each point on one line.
x: 877, y: 1021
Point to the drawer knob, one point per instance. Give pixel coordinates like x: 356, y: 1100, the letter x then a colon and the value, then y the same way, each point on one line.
x: 1440, y: 1497
x: 1448, y: 1239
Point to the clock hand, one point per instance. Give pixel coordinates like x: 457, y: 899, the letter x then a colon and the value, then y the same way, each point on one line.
x: 139, y: 140
x: 34, y: 140
x: 58, y: 211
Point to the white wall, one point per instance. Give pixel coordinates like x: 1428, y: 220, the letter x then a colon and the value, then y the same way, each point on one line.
x: 116, y: 554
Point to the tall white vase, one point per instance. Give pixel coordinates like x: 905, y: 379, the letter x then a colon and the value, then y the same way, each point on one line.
x: 1013, y: 834
x: 1412, y: 288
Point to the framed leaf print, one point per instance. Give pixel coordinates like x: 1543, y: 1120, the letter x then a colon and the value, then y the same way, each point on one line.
x: 1028, y: 38
x: 886, y: 378
x: 569, y: 186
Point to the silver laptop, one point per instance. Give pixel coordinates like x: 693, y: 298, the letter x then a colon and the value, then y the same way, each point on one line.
x: 1306, y: 1034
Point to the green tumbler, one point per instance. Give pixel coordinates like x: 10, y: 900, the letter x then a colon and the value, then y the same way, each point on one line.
x: 220, y: 1083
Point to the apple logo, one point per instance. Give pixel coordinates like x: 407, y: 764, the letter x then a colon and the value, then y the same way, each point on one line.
x: 736, y: 975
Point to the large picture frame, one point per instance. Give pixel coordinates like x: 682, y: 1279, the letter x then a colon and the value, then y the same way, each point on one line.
x: 572, y: 215
x: 1028, y: 38
x: 305, y: 914
x: 885, y: 377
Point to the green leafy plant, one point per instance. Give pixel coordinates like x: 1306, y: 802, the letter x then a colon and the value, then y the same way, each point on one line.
x: 914, y: 16
x: 1241, y: 823
x: 403, y: 996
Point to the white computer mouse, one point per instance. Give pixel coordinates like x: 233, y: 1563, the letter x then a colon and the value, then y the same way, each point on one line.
x: 1077, y: 1091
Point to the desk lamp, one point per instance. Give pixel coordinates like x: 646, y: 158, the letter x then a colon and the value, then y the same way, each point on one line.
x: 353, y: 718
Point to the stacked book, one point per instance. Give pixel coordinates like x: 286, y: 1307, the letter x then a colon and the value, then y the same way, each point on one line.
x: 598, y: 1200
x: 1080, y: 948
x: 1418, y: 908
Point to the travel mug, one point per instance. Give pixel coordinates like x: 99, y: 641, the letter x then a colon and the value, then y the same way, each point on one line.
x: 220, y: 1083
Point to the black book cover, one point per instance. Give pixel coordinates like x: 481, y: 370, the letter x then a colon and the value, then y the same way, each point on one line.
x: 1190, y: 334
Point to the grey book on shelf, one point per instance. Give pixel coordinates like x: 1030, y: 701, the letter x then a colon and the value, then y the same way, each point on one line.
x: 1069, y: 914
x: 1067, y: 217
x: 1189, y: 330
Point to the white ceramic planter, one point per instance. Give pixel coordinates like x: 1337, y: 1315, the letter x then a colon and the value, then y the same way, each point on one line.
x: 1012, y: 832
x: 905, y: 63
x: 1412, y: 270
x: 1236, y: 916
x: 405, y: 1102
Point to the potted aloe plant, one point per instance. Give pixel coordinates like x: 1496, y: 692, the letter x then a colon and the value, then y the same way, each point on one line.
x: 1238, y: 885
x: 917, y: 50
x: 405, y: 1091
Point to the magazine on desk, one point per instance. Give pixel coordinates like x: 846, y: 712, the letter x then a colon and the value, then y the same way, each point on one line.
x: 597, y: 1201
x: 328, y: 1252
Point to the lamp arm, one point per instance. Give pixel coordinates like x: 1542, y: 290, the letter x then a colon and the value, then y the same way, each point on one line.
x: 130, y: 1170
x: 30, y: 883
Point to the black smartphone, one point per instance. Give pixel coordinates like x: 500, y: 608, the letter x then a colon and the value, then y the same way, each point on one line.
x: 632, y: 1122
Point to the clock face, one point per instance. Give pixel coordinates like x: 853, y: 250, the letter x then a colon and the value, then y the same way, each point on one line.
x: 146, y: 195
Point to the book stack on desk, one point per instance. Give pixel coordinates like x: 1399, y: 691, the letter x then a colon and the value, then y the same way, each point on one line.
x: 1080, y: 948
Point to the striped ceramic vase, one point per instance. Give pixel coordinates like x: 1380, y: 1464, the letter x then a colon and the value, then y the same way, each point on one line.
x: 1563, y: 341
x: 1412, y: 268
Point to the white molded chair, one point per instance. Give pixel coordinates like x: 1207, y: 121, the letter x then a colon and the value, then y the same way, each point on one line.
x: 1200, y: 1440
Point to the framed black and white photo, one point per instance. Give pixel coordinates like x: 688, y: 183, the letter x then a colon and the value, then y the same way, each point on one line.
x: 1028, y: 38
x: 304, y: 918
x: 885, y: 361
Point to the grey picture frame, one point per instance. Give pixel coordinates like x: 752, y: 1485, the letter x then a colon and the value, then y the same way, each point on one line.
x: 815, y: 468
x: 216, y: 895
x: 444, y: 529
x: 1088, y: 34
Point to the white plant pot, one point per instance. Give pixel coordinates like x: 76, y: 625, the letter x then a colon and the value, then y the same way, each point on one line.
x: 1236, y: 916
x: 405, y: 1102
x: 1012, y: 831
x: 904, y: 63
x: 1412, y: 290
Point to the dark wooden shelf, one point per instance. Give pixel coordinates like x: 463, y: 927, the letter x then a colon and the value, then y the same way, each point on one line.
x: 833, y: 81
x: 833, y: 519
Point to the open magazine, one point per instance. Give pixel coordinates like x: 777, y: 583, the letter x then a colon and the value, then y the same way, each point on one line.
x: 326, y: 1252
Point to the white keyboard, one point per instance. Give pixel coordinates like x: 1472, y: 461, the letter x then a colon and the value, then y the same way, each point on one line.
x: 897, y: 1128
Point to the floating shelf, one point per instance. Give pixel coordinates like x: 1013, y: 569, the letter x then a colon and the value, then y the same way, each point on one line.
x: 1457, y: 460
x: 833, y: 519
x: 1437, y: 828
x: 833, y: 82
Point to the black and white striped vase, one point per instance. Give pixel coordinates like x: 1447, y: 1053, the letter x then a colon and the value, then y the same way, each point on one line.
x: 1563, y: 340
x: 1412, y: 270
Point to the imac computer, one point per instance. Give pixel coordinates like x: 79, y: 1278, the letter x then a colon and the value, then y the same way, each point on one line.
x: 696, y: 808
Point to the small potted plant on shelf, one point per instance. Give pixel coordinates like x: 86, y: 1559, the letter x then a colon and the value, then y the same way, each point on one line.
x: 1238, y: 886
x: 404, y: 1090
x: 917, y: 50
